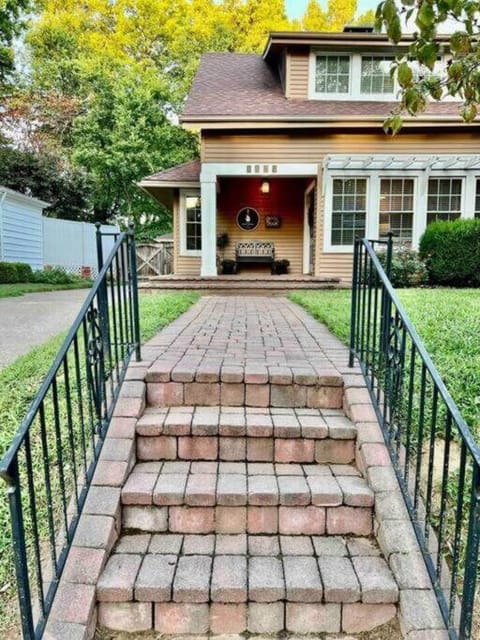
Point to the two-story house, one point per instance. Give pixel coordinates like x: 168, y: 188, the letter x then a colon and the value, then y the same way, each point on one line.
x: 293, y: 154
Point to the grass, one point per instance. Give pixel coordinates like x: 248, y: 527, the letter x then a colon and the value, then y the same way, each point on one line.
x: 19, y: 384
x: 21, y: 288
x: 447, y: 320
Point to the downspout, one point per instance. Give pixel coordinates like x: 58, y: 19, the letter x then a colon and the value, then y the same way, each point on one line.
x: 3, y: 195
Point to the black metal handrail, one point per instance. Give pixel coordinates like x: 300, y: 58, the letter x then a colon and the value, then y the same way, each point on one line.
x: 51, y: 460
x: 433, y: 451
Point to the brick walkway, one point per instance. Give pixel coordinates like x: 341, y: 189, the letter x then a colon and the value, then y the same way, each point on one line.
x: 253, y: 350
x: 238, y: 489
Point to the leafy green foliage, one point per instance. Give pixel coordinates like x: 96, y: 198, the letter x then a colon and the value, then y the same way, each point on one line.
x: 451, y: 251
x: 407, y: 269
x: 12, y: 272
x: 124, y: 135
x: 55, y: 275
x: 421, y: 85
x: 11, y: 24
x: 46, y: 177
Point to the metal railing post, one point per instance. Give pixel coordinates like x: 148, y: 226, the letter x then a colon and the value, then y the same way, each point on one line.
x: 471, y: 558
x: 20, y: 553
x: 353, y: 328
x: 136, y: 312
x: 103, y: 321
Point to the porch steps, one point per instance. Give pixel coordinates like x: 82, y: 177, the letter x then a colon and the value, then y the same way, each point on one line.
x: 234, y: 434
x: 235, y: 497
x: 245, y: 511
x: 185, y: 382
x: 231, y: 584
x: 238, y: 285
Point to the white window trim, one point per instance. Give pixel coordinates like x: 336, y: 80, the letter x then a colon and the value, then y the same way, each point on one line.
x: 184, y: 194
x: 312, y: 72
x: 420, y: 195
x: 354, y: 92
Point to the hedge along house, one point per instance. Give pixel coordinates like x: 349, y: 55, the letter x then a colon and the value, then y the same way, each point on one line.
x: 293, y: 154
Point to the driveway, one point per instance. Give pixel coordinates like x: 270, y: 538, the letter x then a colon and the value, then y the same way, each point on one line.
x: 32, y: 319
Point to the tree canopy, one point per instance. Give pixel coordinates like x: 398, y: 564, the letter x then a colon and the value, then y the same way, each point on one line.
x: 418, y: 72
x: 106, y: 80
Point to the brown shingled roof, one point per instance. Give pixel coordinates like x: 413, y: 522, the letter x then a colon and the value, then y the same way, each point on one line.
x: 186, y: 172
x: 229, y: 85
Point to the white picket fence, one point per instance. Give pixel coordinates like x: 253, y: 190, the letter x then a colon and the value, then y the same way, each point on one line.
x: 72, y: 245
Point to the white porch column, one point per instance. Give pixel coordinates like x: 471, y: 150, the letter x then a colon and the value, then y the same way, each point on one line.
x: 209, y: 228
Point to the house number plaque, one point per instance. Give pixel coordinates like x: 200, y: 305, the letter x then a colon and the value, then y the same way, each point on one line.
x: 248, y: 219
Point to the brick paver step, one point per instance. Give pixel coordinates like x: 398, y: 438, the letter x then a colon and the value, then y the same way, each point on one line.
x: 237, y: 583
x: 239, y: 497
x: 251, y: 434
x: 251, y: 394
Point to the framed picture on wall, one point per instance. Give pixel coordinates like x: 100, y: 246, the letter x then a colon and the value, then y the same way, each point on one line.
x: 273, y: 222
x: 248, y: 218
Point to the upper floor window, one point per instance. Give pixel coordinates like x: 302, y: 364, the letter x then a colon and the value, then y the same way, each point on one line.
x: 375, y: 75
x: 332, y: 74
x: 361, y: 77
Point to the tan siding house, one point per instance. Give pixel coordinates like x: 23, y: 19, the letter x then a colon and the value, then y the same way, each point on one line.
x: 294, y: 163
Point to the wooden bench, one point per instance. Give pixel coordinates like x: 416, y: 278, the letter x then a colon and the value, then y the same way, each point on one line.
x: 254, y: 252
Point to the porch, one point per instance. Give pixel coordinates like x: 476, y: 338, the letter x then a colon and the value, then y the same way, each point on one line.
x: 240, y: 218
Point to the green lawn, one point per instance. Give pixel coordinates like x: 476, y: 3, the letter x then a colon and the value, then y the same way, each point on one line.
x: 448, y: 321
x: 19, y: 383
x: 19, y: 289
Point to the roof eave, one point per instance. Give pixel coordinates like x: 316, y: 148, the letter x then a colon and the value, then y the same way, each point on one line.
x: 306, y: 38
x: 145, y: 184
x: 200, y: 121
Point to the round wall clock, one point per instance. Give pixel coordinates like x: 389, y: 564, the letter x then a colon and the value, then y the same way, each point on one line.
x: 248, y: 219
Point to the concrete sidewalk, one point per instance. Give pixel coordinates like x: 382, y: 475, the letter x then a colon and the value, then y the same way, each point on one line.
x: 30, y: 320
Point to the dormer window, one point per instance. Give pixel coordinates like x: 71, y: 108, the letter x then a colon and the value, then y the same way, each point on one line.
x: 375, y: 75
x: 356, y: 76
x: 332, y: 74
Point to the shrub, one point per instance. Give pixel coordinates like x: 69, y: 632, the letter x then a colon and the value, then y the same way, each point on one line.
x: 12, y: 272
x: 408, y: 270
x: 24, y: 271
x: 451, y: 251
x: 55, y: 275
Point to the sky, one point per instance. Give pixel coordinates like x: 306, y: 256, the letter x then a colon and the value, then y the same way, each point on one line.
x: 296, y: 8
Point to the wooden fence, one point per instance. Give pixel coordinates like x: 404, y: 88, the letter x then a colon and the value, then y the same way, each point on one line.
x: 155, y: 259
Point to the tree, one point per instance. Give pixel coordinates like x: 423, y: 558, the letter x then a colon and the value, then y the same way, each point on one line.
x: 366, y: 19
x: 11, y: 25
x: 338, y: 14
x: 48, y: 178
x: 122, y: 136
x: 416, y: 72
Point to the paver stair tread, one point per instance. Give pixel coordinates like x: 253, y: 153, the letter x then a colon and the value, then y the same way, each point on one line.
x: 246, y: 568
x: 251, y: 422
x: 285, y: 368
x: 239, y: 483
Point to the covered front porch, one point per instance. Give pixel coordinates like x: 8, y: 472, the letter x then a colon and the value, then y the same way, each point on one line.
x: 240, y: 220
